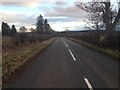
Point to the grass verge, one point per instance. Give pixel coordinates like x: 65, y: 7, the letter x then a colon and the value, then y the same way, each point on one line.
x: 109, y: 52
x: 14, y: 60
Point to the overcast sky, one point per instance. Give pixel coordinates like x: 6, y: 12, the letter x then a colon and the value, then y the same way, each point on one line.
x: 61, y: 14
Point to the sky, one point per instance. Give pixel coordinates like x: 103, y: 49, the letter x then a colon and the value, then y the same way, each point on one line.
x: 61, y: 14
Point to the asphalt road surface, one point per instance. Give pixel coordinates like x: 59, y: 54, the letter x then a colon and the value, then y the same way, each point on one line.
x: 66, y: 64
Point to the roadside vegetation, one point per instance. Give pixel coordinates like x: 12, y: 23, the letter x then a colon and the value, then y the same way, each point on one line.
x: 107, y: 51
x: 14, y: 56
x: 103, y: 25
x: 18, y: 48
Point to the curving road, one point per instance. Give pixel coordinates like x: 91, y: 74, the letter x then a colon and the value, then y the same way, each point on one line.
x: 66, y: 64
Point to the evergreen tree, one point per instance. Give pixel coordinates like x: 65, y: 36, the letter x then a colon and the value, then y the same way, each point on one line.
x: 5, y: 29
x: 13, y: 30
x: 46, y: 29
x: 43, y: 25
x: 45, y: 22
x: 39, y: 25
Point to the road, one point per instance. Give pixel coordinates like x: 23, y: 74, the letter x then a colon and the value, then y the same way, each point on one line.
x: 66, y: 64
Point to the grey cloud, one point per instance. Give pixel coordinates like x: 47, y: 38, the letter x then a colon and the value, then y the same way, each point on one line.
x: 62, y: 19
x: 21, y: 19
x: 45, y: 9
x: 70, y: 11
x: 13, y: 3
x: 62, y: 3
x: 18, y: 3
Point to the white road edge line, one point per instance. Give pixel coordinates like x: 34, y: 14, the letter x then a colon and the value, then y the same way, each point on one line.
x: 72, y: 55
x: 88, y: 84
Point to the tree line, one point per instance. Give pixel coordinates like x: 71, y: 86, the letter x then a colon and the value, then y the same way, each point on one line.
x: 6, y: 30
x: 42, y: 27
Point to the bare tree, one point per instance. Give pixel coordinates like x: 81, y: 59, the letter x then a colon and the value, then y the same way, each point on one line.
x: 23, y: 29
x: 101, y: 13
x: 94, y: 18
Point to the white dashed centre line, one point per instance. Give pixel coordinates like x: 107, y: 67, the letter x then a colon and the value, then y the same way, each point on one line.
x: 88, y: 84
x: 72, y: 55
x: 66, y: 45
x: 63, y: 41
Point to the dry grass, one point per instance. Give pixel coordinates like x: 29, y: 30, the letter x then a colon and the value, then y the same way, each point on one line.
x: 7, y: 43
x: 13, y: 59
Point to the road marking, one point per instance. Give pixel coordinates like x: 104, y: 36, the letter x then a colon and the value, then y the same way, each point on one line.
x: 88, y: 84
x: 63, y: 41
x: 66, y: 45
x: 72, y: 55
